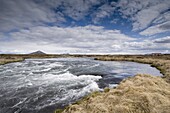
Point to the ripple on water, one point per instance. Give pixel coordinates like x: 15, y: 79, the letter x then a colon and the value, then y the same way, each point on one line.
x: 42, y: 85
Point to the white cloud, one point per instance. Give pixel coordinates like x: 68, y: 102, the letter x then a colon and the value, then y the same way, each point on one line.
x: 87, y: 39
x: 71, y: 39
x: 145, y: 17
x: 23, y: 13
x: 161, y: 24
x: 162, y: 18
x: 143, y: 13
x: 142, y: 21
x: 16, y: 14
x: 164, y: 40
x: 78, y: 9
x: 20, y: 14
x: 156, y: 29
x: 149, y: 45
x: 104, y: 11
x: 149, y: 17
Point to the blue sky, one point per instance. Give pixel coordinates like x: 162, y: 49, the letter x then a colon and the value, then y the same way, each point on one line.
x: 85, y: 26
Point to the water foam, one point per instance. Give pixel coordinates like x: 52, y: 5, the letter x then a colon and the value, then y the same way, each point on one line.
x: 38, y: 83
x: 69, y: 78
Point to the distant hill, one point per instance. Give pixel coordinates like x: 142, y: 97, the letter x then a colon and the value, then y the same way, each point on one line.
x: 37, y: 53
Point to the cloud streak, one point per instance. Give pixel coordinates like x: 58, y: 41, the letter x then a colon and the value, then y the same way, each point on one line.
x: 23, y: 13
x: 73, y: 39
x: 88, y: 39
x: 81, y: 26
x: 144, y: 14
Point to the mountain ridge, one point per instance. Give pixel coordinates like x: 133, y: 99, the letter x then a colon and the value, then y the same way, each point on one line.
x: 37, y: 53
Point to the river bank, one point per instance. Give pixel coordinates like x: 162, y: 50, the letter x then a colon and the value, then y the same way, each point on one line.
x: 5, y: 60
x: 138, y: 94
x: 161, y: 62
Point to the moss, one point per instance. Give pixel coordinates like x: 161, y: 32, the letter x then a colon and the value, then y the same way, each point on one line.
x: 86, y: 98
x: 59, y: 111
x: 106, y: 89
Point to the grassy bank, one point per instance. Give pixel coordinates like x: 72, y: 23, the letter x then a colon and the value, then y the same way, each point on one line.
x: 138, y: 94
x: 161, y: 62
x: 5, y: 60
x: 9, y: 58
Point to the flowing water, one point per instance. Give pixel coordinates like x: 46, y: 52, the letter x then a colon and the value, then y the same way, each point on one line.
x: 43, y: 85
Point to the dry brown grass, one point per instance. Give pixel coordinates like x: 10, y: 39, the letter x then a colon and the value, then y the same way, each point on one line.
x: 10, y: 60
x: 139, y: 94
x: 162, y: 63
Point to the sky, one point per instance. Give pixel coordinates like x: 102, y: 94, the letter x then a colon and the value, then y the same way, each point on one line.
x: 85, y: 26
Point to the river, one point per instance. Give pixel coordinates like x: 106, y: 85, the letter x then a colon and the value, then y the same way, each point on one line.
x: 43, y: 85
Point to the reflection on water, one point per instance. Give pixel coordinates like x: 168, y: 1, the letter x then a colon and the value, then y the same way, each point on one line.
x: 42, y: 85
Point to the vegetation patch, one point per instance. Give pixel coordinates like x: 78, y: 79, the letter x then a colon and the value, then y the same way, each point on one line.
x: 139, y: 94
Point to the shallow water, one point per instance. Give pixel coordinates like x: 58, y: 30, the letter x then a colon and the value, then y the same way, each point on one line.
x: 42, y: 85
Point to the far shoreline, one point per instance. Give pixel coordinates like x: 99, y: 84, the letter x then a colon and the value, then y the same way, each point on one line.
x: 161, y: 62
x: 157, y: 61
